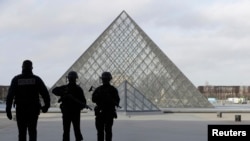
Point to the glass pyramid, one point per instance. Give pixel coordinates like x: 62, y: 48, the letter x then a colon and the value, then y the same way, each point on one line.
x: 130, y: 55
x: 133, y: 100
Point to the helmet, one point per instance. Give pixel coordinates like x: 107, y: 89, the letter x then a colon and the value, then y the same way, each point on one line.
x: 72, y: 74
x: 106, y: 75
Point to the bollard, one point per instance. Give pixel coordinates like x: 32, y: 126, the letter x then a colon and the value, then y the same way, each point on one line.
x: 219, y: 114
x: 237, y: 118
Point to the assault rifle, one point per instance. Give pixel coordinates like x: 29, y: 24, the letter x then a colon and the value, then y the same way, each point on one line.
x: 92, y: 88
x: 67, y: 95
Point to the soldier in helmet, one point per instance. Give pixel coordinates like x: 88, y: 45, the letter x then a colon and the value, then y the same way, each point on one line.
x: 107, y: 99
x: 24, y: 92
x: 72, y: 101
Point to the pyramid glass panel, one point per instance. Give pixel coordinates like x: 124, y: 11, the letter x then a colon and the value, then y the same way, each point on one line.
x: 130, y: 55
x: 132, y: 100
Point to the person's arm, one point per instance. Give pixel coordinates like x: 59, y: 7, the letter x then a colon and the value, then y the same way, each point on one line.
x: 116, y: 98
x: 58, y: 91
x: 10, y: 97
x: 83, y: 99
x: 45, y: 95
x: 95, y: 95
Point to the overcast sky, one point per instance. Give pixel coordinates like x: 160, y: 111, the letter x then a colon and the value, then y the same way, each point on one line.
x: 209, y: 41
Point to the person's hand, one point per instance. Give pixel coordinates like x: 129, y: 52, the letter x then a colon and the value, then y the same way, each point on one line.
x: 9, y: 114
x: 45, y: 109
x: 82, y: 106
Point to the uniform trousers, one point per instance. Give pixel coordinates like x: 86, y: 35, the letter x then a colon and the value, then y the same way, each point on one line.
x: 27, y: 121
x: 74, y: 117
x: 104, y: 125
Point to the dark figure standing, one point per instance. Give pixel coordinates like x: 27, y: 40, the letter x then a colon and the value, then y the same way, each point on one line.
x: 73, y: 101
x: 107, y: 99
x: 25, y: 89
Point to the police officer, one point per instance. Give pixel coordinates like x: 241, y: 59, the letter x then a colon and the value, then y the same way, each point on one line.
x: 72, y: 102
x: 25, y: 89
x: 107, y: 99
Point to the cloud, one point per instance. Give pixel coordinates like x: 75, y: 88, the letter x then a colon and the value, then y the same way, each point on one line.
x: 207, y: 40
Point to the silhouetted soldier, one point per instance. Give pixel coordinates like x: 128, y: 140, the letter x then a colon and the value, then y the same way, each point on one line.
x: 24, y: 92
x: 107, y: 99
x: 72, y: 102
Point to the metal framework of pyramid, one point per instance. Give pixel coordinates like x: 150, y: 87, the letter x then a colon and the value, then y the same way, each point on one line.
x: 130, y: 55
x: 132, y: 100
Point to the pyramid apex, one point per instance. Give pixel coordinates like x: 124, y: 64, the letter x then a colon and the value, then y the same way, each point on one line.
x: 123, y: 11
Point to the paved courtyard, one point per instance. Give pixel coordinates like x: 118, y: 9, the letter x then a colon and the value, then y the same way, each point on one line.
x: 130, y: 127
